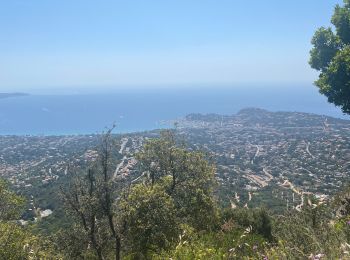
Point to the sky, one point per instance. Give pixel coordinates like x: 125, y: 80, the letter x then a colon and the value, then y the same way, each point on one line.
x: 138, y: 43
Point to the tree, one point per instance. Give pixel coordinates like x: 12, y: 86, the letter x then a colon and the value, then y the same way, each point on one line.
x: 188, y: 178
x: 174, y: 190
x: 90, y: 199
x: 331, y: 56
x: 149, y: 213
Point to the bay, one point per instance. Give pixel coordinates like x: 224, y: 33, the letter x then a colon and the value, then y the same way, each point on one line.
x: 145, y: 109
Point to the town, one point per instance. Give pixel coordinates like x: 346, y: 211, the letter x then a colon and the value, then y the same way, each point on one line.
x: 277, y: 159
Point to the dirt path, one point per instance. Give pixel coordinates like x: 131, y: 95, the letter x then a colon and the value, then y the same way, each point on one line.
x: 256, y: 153
x: 308, y: 151
x: 269, y: 176
x: 256, y: 179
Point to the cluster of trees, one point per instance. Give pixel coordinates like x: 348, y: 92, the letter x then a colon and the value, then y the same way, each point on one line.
x: 142, y: 217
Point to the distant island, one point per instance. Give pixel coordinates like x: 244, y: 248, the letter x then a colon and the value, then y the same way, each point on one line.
x: 9, y: 95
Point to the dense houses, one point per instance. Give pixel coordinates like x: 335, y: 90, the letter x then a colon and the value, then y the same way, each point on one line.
x: 294, y: 154
x: 262, y: 157
x: 28, y: 160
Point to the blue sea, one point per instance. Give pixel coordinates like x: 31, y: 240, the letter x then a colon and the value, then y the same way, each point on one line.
x: 144, y: 109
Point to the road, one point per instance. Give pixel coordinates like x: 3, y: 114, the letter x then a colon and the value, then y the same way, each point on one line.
x: 308, y: 151
x: 256, y: 154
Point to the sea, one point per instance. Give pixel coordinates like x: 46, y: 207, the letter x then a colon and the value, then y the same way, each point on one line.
x: 143, y: 109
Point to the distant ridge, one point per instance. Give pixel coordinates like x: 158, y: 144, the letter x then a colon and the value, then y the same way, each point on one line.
x: 255, y: 112
x: 254, y: 116
x: 9, y: 95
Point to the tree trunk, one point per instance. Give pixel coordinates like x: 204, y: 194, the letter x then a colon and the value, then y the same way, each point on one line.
x: 117, y: 248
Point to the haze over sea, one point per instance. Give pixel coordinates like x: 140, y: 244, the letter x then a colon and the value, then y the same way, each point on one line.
x: 88, y: 112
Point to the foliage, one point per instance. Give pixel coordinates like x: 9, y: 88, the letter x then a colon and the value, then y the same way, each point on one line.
x: 227, y: 243
x: 258, y: 219
x: 176, y: 189
x: 149, y: 214
x: 73, y: 243
x: 331, y: 56
x: 10, y: 204
x: 305, y: 233
x: 89, y: 199
x: 18, y: 242
x: 190, y: 178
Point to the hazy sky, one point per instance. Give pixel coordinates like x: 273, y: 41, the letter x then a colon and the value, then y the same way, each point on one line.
x: 63, y: 43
